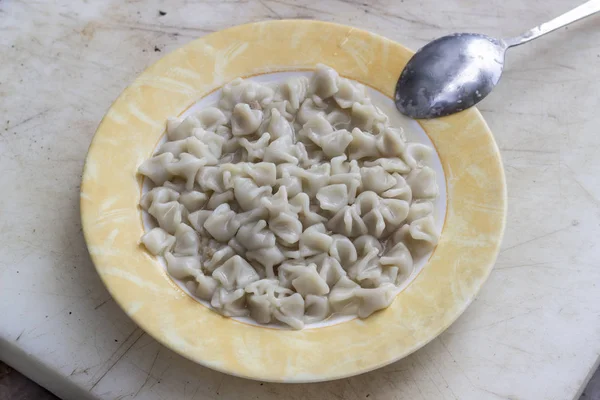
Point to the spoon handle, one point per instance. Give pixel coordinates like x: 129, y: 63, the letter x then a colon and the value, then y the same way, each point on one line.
x: 584, y: 10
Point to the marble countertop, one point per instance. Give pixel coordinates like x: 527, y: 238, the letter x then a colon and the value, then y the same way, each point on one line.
x: 534, y: 330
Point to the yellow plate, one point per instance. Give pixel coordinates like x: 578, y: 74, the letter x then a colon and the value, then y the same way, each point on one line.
x: 112, y: 225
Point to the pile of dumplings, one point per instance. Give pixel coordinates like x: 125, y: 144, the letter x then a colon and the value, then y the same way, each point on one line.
x: 290, y: 202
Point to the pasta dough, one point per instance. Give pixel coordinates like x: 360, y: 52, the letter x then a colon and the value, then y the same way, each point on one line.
x: 287, y: 203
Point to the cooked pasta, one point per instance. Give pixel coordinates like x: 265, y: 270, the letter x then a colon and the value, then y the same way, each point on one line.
x: 292, y: 202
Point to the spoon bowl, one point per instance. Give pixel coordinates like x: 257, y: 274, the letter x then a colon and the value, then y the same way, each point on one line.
x: 450, y: 74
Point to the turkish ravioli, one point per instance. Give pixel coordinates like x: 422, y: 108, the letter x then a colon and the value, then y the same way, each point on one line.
x: 290, y: 202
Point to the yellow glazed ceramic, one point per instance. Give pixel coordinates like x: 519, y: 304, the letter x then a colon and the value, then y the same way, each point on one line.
x: 110, y: 193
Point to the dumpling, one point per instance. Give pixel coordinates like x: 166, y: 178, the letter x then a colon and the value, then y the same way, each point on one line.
x: 329, y: 268
x: 349, y: 93
x: 348, y: 222
x: 324, y: 82
x: 157, y: 241
x: 168, y: 215
x: 314, y: 178
x: 371, y: 300
x: 244, y: 91
x: 394, y: 211
x: 333, y: 197
x: 262, y: 299
x: 294, y: 90
x: 285, y: 109
x: 231, y: 148
x: 339, y: 119
x: 235, y: 273
x: 187, y: 242
x: 422, y: 183
x: 268, y: 257
x: 335, y: 143
x: 366, y: 202
x: 391, y: 142
x: 213, y: 141
x: 175, y: 147
x: 342, y: 296
x: 263, y: 173
x: 363, y: 145
x: 375, y: 222
x: 398, y: 256
x: 343, y: 250
x: 365, y: 245
x: 287, y: 272
x: 314, y: 240
x: 261, y: 308
x: 418, y: 210
x: 351, y: 178
x: 216, y: 199
x: 290, y: 311
x: 376, y: 179
x: 230, y: 304
x: 347, y: 297
x: 378, y: 211
x: 310, y: 282
x: 368, y: 118
x: 155, y: 168
x: 278, y: 126
x: 158, y: 194
x: 316, y: 308
x: 221, y: 223
x: 384, y: 276
x: 425, y: 240
x: 287, y: 179
x: 307, y: 215
x: 177, y: 185
x: 197, y: 220
x: 183, y: 267
x: 218, y: 258
x: 186, y: 167
x: 181, y: 128
x: 254, y: 236
x: 308, y: 110
x: 256, y: 150
x: 281, y: 150
x: 401, y: 190
x: 205, y: 287
x: 244, y: 120
x: 286, y: 227
x: 210, y: 179
x: 340, y: 165
x: 235, y: 244
x: 424, y: 229
x: 211, y: 118
x: 390, y: 165
x: 417, y: 154
x: 315, y: 127
x: 248, y: 194
x: 367, y: 266
x: 193, y: 201
x: 208, y: 151
x: 277, y: 203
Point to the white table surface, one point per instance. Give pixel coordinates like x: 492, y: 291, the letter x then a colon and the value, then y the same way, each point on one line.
x: 532, y: 333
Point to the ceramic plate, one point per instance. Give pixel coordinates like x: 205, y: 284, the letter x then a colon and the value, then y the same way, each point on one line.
x: 470, y: 212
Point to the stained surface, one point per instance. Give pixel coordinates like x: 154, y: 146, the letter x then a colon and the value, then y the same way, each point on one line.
x: 534, y: 326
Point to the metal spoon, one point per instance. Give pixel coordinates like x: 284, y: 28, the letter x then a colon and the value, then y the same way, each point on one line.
x: 455, y: 72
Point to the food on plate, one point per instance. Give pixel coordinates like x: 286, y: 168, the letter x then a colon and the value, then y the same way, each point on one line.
x: 290, y: 202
